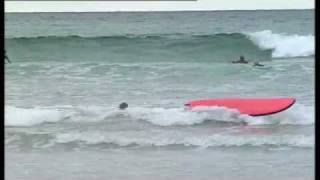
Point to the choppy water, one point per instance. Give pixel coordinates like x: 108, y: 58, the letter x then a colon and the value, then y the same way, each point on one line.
x: 71, y: 70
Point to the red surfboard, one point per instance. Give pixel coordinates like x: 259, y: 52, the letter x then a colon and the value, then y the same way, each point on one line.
x: 252, y: 107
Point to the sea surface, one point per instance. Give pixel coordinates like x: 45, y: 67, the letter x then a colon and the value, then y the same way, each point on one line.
x: 70, y: 71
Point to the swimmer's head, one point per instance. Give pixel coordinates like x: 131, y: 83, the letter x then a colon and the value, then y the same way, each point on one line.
x: 123, y: 106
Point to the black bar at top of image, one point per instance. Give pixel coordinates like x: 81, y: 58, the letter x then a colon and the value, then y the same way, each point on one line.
x: 102, y: 0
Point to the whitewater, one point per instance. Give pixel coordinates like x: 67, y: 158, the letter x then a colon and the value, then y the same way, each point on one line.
x: 70, y: 72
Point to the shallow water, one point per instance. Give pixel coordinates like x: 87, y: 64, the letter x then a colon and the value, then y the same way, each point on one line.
x: 66, y: 81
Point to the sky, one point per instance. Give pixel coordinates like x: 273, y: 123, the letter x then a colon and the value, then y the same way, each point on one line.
x: 107, y: 6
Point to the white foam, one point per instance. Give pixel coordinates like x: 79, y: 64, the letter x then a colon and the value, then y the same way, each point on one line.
x: 284, y: 45
x: 173, y: 138
x: 91, y: 113
x: 28, y: 117
x: 298, y: 114
x: 180, y: 116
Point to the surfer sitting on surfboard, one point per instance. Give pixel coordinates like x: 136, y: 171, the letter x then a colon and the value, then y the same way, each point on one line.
x: 240, y: 61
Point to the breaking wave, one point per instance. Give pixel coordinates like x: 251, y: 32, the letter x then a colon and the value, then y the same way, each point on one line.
x: 221, y: 47
x: 284, y: 45
x: 296, y: 115
x: 180, y: 139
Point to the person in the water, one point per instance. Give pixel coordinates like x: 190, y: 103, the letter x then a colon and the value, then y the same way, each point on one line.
x: 6, y: 57
x: 257, y: 64
x: 240, y: 61
x: 123, y: 106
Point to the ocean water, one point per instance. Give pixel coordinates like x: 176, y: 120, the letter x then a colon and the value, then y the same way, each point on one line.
x: 70, y: 71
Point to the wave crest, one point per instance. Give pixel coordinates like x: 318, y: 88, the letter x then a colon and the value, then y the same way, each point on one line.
x: 216, y: 140
x: 222, y: 47
x: 284, y: 45
x: 296, y: 115
x: 31, y: 116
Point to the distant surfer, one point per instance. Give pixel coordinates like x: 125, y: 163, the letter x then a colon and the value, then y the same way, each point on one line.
x: 123, y: 106
x: 240, y: 61
x: 258, y: 64
x: 6, y: 57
